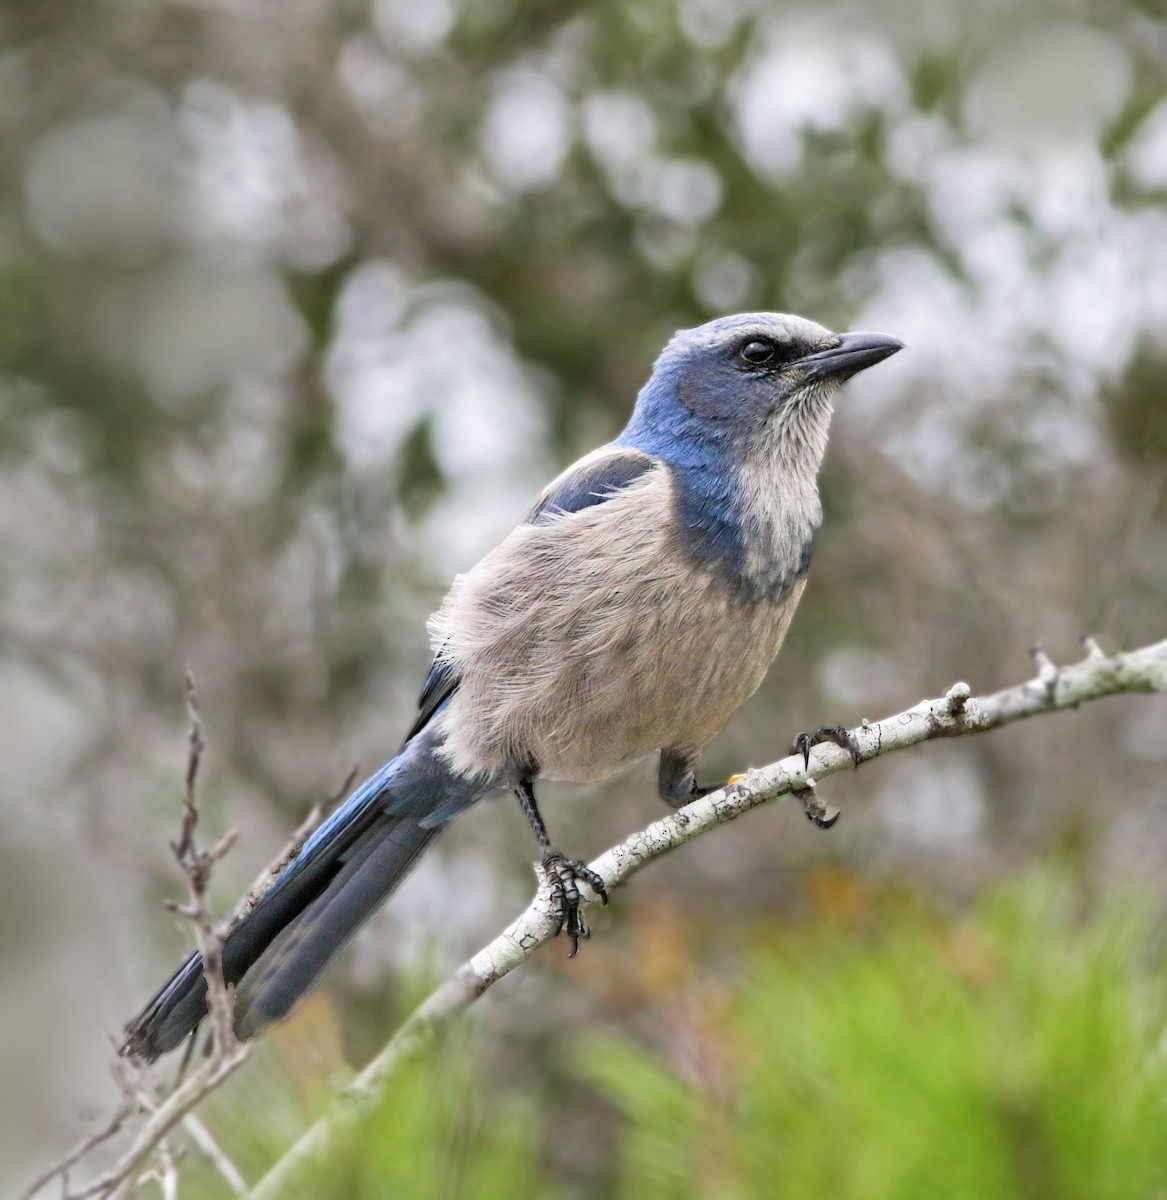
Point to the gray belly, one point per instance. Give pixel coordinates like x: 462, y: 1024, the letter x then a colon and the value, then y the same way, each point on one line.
x: 674, y: 681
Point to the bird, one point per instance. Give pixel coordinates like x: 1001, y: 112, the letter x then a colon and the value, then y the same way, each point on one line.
x: 630, y: 611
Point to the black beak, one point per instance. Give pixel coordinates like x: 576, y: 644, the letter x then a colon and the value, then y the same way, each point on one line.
x: 854, y: 353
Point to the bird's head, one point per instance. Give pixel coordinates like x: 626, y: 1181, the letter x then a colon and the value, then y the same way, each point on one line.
x: 751, y: 374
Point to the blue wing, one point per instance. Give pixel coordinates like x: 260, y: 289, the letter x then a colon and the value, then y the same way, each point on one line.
x: 440, y: 684
x: 591, y: 481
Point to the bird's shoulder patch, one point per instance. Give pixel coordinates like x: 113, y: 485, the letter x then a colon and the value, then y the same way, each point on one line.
x: 591, y: 481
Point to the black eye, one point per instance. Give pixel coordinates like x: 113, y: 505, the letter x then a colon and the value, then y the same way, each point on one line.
x: 758, y: 353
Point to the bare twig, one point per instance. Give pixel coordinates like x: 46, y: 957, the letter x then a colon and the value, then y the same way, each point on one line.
x: 148, y: 1149
x: 164, y: 1172
x: 83, y: 1147
x: 161, y: 1120
x: 955, y: 714
x: 227, y: 1052
x: 202, y: 1138
x: 197, y: 866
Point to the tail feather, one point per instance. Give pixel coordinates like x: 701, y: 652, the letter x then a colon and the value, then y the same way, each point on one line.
x: 344, y: 873
x: 300, y: 954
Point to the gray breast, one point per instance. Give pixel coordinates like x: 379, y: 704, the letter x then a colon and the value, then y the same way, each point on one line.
x: 588, y: 642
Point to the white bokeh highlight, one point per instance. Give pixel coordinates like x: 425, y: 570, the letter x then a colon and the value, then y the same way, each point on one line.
x: 403, y: 355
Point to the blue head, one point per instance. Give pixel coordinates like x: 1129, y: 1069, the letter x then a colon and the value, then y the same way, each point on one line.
x: 739, y: 408
x: 749, y: 381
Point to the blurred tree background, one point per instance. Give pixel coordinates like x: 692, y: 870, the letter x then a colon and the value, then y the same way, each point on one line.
x: 300, y: 305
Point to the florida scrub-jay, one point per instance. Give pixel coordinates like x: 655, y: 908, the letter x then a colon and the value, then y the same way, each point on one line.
x: 636, y: 605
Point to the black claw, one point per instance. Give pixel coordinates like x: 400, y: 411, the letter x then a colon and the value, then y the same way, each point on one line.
x: 820, y: 814
x: 837, y: 735
x: 801, y: 745
x: 563, y: 877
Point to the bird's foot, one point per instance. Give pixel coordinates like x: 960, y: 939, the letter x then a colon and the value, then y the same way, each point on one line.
x: 821, y: 814
x: 838, y: 735
x: 563, y: 878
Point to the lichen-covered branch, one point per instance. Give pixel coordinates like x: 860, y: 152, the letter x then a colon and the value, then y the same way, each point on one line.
x: 955, y: 714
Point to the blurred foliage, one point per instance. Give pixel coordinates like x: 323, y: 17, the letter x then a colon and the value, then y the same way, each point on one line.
x: 444, y: 1133
x: 1014, y: 1053
x: 879, y: 1048
x: 1139, y: 408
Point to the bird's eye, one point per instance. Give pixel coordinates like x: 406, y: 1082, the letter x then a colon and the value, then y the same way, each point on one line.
x: 757, y: 353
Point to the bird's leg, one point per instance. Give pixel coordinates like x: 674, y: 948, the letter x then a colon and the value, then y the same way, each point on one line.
x: 563, y: 874
x: 675, y: 782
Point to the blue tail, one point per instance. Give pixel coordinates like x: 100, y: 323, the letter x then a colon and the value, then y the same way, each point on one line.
x: 346, y: 870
